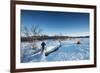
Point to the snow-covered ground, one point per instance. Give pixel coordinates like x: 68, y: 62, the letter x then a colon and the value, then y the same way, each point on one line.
x: 68, y: 50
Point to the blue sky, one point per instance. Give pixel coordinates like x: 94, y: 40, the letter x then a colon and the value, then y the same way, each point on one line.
x: 55, y: 23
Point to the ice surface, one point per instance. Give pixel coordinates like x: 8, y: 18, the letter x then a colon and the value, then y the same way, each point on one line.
x: 69, y: 50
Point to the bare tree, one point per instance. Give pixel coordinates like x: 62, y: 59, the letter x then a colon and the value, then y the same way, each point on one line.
x: 36, y: 31
x: 26, y: 31
x: 32, y: 33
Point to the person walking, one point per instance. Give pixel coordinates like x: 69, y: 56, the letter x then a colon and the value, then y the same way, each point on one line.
x: 43, y: 45
x: 43, y: 58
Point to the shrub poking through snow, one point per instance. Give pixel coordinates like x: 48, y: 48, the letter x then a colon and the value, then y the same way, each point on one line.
x: 78, y: 42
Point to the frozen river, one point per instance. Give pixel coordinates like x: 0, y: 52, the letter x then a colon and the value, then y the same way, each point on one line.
x: 68, y: 50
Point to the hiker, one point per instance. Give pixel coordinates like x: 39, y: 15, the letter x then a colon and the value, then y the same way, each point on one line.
x: 43, y: 58
x: 43, y: 45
